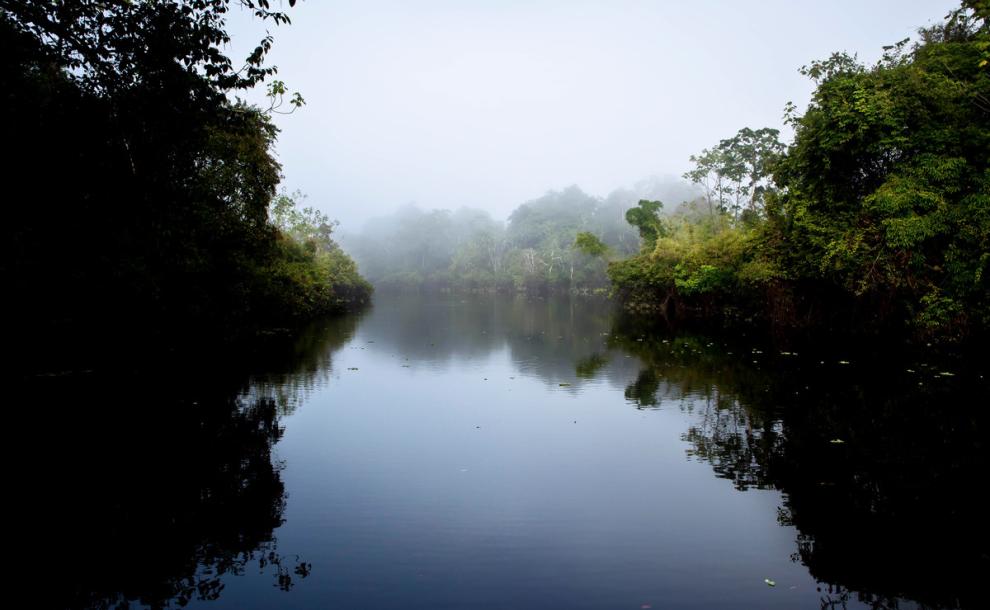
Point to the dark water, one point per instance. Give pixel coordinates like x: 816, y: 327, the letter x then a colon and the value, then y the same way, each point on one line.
x: 500, y: 452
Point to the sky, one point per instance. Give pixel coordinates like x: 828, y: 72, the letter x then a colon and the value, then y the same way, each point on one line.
x: 489, y: 104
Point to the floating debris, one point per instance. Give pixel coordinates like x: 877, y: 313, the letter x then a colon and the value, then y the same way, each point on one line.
x: 564, y: 385
x: 837, y: 441
x: 352, y: 368
x: 770, y: 582
x: 843, y: 362
x: 947, y: 374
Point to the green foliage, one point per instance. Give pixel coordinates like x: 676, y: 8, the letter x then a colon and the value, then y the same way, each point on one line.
x: 696, y: 263
x: 467, y: 249
x: 885, y: 188
x: 646, y: 218
x: 149, y: 186
x: 310, y: 274
x: 881, y: 205
x: 589, y: 244
x: 735, y: 174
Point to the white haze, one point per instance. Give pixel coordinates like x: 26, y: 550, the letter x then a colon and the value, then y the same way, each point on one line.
x: 489, y: 104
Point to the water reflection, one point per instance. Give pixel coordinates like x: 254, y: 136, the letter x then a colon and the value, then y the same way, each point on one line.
x: 154, y: 485
x: 164, y: 485
x: 882, y: 465
x: 555, y: 339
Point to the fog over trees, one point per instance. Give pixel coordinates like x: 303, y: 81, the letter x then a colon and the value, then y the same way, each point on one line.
x: 532, y: 250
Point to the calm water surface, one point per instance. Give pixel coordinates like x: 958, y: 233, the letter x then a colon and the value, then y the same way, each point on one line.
x: 504, y: 452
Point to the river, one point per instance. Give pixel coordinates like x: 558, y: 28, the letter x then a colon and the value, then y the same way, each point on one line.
x: 484, y: 451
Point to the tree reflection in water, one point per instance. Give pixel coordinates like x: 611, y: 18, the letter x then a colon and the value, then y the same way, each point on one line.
x: 881, y: 466
x: 158, y: 485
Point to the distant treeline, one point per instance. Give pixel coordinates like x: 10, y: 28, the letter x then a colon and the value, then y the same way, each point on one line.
x: 139, y: 190
x: 876, y: 218
x: 534, y: 251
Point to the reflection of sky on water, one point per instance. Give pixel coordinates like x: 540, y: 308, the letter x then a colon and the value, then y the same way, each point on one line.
x: 504, y: 452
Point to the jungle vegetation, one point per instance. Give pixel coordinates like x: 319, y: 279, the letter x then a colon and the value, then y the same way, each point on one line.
x: 875, y: 217
x: 533, y: 251
x: 143, y: 194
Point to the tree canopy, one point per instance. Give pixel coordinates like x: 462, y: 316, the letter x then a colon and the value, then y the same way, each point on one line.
x: 876, y: 215
x: 143, y: 186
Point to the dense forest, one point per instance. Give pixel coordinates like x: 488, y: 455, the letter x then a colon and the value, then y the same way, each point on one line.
x: 756, y: 384
x: 146, y: 195
x: 143, y: 192
x: 534, y: 251
x: 875, y: 217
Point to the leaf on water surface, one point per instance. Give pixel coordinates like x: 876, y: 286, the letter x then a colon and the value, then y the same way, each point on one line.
x: 352, y: 368
x: 837, y: 441
x: 770, y: 582
x: 843, y: 362
x: 564, y: 385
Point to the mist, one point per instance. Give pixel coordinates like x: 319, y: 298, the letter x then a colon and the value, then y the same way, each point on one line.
x: 478, y: 304
x: 467, y: 248
x: 488, y: 105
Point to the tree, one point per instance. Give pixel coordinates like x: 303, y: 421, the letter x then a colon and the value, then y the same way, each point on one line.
x: 886, y: 188
x: 158, y: 198
x: 110, y: 47
x: 877, y: 216
x: 589, y: 244
x: 749, y: 158
x: 306, y: 225
x: 646, y: 217
x: 711, y: 172
x: 735, y: 174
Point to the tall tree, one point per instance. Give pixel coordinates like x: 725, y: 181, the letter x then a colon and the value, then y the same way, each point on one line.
x: 735, y: 173
x: 886, y: 188
x: 646, y: 218
x: 151, y: 184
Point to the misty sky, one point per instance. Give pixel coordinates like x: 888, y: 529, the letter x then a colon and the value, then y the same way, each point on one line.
x: 488, y: 104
